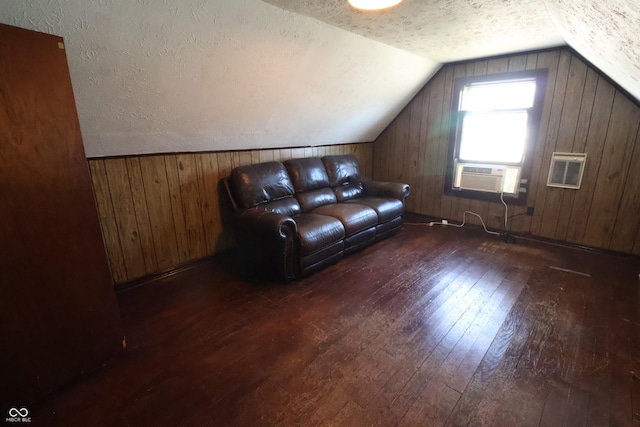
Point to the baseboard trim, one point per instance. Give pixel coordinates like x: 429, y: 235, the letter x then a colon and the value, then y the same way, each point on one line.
x: 416, y: 217
x: 171, y: 271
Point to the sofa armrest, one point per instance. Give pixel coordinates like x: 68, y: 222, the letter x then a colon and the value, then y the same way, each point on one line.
x: 270, y: 237
x: 267, y: 224
x: 397, y: 190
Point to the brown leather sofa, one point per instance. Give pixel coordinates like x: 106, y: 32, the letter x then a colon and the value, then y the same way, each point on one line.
x: 304, y: 214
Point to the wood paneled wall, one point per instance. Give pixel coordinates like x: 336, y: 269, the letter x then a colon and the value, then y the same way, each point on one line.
x: 160, y: 211
x: 582, y: 112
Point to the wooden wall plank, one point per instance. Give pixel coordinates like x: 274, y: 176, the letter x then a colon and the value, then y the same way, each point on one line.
x: 412, y: 145
x: 517, y: 62
x: 226, y: 240
x: 206, y: 177
x: 125, y: 215
x: 586, y: 108
x: 364, y: 153
x: 415, y: 179
x: 285, y: 153
x: 594, y: 145
x: 207, y: 174
x: 191, y: 200
x: 433, y: 166
x: 443, y: 131
x: 308, y: 152
x: 297, y: 153
x: 176, y: 206
x: 379, y: 154
x: 142, y: 214
x: 616, y: 157
x: 397, y: 148
x: 415, y: 148
x: 255, y: 156
x: 158, y: 197
x: 480, y: 68
x: 244, y: 157
x: 107, y: 219
x: 627, y: 226
x: 235, y: 159
x: 578, y: 146
x: 266, y: 156
x: 560, y: 202
x: 544, y: 225
x: 636, y: 246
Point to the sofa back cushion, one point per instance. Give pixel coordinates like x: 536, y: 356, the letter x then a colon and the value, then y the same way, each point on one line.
x: 344, y: 176
x: 307, y: 174
x: 311, y: 182
x: 260, y: 183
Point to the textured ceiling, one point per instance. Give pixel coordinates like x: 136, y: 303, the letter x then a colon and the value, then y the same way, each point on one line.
x: 187, y: 75
x: 607, y: 33
x: 442, y: 30
x: 155, y: 76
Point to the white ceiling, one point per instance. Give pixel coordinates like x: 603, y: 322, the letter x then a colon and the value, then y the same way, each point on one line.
x: 442, y: 30
x: 155, y: 76
x: 607, y: 33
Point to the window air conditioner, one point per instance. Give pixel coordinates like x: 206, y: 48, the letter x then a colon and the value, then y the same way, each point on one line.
x: 487, y: 178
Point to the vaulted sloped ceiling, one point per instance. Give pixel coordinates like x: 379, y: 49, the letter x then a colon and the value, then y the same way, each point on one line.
x: 188, y: 75
x: 607, y: 33
x: 442, y: 30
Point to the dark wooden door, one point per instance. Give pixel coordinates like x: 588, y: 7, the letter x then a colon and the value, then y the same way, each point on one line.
x: 58, y: 312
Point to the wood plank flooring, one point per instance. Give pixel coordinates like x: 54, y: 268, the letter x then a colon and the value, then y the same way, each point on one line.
x: 435, y: 326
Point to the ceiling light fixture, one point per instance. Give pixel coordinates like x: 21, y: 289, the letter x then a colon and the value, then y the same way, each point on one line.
x: 373, y: 4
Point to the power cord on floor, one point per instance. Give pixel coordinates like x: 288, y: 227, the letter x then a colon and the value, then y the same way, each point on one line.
x: 506, y: 234
x: 464, y: 221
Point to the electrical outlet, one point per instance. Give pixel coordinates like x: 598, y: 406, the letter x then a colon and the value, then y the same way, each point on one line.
x: 530, y: 210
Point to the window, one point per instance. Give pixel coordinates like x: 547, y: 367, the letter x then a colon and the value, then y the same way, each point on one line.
x: 496, y: 119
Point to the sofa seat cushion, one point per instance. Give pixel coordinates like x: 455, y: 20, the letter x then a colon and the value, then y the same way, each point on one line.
x: 353, y: 217
x: 348, y: 191
x: 310, y: 200
x: 287, y: 206
x: 386, y: 208
x: 318, y: 231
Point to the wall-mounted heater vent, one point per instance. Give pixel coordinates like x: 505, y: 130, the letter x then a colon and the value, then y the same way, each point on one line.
x: 487, y: 178
x: 566, y: 170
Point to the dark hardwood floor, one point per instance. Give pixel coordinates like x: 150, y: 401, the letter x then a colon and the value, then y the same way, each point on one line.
x: 434, y: 326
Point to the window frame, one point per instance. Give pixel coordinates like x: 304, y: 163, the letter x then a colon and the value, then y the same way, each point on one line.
x: 533, y: 127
